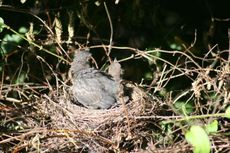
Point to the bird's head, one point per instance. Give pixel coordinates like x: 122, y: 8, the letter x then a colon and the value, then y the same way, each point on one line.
x: 82, y: 55
x: 80, y: 61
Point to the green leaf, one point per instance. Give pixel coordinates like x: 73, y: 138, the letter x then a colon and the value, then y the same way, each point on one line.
x: 22, y: 30
x: 2, y: 25
x: 227, y: 112
x: 212, y: 127
x: 184, y: 108
x: 199, y: 139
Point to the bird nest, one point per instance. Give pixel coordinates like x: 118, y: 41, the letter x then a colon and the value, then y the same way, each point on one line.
x: 71, y: 127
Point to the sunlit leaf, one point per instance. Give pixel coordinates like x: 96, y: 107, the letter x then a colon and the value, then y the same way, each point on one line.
x: 23, y: 1
x: 199, y: 139
x: 23, y: 30
x: 212, y: 127
x: 227, y: 112
x: 1, y: 24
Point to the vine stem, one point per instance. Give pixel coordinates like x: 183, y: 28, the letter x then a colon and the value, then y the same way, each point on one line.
x: 194, y: 117
x: 34, y: 44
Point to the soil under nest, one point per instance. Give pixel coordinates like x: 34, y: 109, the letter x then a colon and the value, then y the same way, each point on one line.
x: 73, y: 128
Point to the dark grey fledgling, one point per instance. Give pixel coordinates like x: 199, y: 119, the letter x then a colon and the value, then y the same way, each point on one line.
x: 91, y: 87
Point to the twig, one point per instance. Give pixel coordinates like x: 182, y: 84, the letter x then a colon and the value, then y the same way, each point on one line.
x: 126, y: 115
x: 111, y: 29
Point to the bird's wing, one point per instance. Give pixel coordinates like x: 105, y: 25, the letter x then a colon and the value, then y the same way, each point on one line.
x: 96, y: 89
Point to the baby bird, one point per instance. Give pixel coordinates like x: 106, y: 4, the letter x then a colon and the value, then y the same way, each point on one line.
x: 91, y: 87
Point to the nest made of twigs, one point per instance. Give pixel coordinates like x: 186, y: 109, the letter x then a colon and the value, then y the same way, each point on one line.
x: 95, y: 130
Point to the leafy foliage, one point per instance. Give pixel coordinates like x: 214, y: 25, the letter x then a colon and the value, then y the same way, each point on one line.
x: 11, y: 42
x: 199, y: 139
